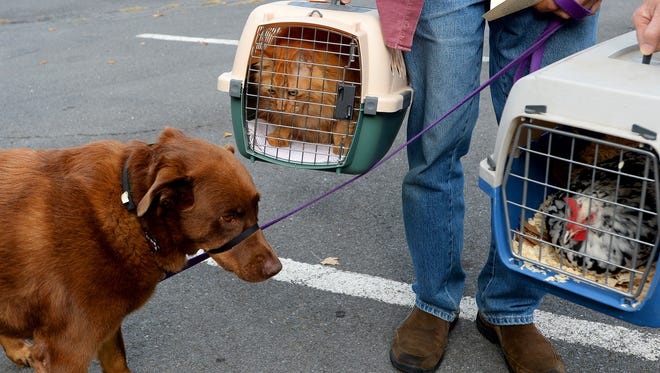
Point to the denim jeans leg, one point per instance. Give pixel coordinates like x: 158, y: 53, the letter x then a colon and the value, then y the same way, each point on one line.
x: 443, y: 67
x: 505, y: 297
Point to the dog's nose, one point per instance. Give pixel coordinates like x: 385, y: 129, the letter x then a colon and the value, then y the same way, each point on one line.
x: 272, y: 267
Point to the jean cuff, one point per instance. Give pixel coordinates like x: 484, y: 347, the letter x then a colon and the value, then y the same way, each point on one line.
x: 508, y: 320
x: 435, y: 311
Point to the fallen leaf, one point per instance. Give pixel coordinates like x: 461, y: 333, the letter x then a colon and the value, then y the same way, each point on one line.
x: 111, y: 62
x: 244, y: 2
x: 132, y: 9
x: 228, y: 134
x: 214, y: 2
x: 173, y: 6
x: 52, y: 29
x: 156, y: 15
x: 43, y: 62
x: 330, y: 261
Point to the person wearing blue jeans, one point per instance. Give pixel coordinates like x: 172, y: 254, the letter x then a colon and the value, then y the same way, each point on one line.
x: 443, y: 59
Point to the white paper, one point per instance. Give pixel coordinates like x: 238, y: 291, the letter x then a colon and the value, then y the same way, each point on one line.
x: 501, y: 8
x: 298, y: 153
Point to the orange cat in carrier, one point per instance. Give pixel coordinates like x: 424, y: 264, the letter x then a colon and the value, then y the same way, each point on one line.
x: 299, y: 74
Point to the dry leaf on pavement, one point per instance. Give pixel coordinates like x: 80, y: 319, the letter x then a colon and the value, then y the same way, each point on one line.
x: 330, y: 261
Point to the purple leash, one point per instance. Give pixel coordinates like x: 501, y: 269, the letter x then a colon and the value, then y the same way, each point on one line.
x: 532, y: 56
x: 534, y: 59
x: 575, y: 10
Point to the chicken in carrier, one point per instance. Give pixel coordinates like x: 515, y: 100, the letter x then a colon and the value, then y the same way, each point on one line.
x: 603, y: 219
x: 574, y: 180
x: 597, y: 218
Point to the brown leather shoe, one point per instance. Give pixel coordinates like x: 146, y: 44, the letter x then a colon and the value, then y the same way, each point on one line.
x: 525, y: 349
x: 420, y: 342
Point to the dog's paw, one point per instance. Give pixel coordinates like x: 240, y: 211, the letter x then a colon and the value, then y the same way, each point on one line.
x: 18, y: 351
x: 278, y: 142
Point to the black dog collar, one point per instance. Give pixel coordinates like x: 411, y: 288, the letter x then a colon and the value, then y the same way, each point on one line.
x: 127, y: 201
x: 126, y: 195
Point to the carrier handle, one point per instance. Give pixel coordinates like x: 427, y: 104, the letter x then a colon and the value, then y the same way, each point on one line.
x: 646, y: 59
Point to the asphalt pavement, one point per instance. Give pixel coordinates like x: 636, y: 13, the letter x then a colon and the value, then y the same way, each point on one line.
x: 75, y: 71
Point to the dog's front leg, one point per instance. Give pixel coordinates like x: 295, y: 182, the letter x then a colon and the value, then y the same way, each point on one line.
x: 17, y: 350
x: 112, y: 354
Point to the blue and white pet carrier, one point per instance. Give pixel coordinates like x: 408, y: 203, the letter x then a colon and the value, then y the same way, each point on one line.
x: 574, y: 180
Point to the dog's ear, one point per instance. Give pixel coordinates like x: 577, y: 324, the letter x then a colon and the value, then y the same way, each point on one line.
x: 170, y: 132
x: 172, y: 190
x: 230, y: 147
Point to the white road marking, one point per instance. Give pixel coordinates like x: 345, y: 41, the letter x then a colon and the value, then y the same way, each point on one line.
x: 187, y: 39
x: 558, y: 327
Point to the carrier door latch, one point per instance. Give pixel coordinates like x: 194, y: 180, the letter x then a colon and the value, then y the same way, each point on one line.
x: 345, y: 102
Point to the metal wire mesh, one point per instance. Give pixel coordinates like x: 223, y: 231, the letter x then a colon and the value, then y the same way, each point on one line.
x: 561, y: 180
x: 303, y: 94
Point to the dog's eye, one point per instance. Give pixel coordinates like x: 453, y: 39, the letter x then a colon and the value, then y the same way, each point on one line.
x: 232, y: 216
x: 229, y: 218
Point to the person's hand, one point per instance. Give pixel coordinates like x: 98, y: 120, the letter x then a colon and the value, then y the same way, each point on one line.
x: 546, y: 6
x: 647, y: 24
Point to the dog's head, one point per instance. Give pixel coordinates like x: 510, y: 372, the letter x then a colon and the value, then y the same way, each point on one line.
x: 206, y: 196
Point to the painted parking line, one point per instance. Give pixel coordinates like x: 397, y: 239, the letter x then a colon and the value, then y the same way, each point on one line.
x: 187, y: 39
x: 557, y: 327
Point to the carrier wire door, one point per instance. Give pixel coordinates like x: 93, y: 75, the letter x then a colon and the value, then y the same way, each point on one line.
x: 611, y: 183
x: 303, y: 94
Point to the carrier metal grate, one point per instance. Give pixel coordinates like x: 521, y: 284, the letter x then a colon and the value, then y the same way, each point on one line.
x: 583, y: 205
x: 302, y: 100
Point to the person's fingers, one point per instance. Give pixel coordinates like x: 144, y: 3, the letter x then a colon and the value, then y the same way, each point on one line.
x: 593, y: 5
x: 547, y: 6
x: 650, y: 42
x: 647, y: 26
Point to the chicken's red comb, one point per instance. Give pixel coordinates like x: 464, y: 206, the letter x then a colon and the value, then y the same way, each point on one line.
x: 573, y: 206
x: 579, y: 232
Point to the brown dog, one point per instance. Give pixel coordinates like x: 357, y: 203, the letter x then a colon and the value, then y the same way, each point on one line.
x: 74, y: 260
